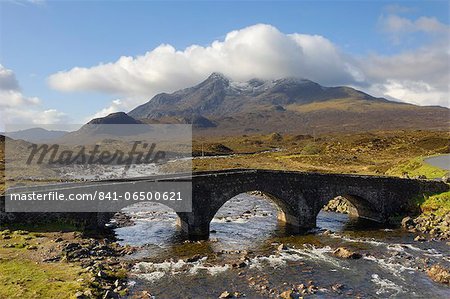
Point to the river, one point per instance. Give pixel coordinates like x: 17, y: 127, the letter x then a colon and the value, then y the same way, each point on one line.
x: 441, y: 161
x: 246, y: 233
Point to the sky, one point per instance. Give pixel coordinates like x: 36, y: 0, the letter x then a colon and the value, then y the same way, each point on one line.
x: 70, y: 61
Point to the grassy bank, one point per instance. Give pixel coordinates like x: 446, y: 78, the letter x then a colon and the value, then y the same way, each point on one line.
x: 438, y: 204
x: 417, y: 167
x: 434, y: 221
x: 25, y: 274
x: 23, y: 278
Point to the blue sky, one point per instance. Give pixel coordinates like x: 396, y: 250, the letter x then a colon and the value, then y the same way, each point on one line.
x: 41, y: 38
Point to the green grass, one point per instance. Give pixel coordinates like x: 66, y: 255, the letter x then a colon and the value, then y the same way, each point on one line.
x: 416, y: 167
x: 438, y: 204
x: 26, y: 279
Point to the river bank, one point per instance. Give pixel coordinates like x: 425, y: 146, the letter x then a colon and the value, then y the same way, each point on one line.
x: 431, y: 220
x: 65, y: 263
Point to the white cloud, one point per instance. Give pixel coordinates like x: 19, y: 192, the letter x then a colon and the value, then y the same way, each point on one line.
x: 417, y: 92
x: 37, y: 116
x: 257, y: 51
x: 115, y: 106
x: 8, y: 80
x: 419, y: 76
x: 429, y: 64
x: 10, y: 93
x: 15, y: 107
x: 397, y: 27
x: 14, y: 98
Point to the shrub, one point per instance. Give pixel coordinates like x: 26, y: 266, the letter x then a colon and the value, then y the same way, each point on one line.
x: 311, y: 149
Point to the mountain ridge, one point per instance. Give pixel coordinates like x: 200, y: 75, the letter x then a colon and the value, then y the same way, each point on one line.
x: 223, y: 106
x: 218, y: 96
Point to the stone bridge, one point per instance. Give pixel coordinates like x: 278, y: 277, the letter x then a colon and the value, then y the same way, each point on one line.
x: 299, y: 196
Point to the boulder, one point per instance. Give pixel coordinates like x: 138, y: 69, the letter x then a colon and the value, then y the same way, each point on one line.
x: 338, y: 204
x: 420, y: 239
x: 287, y: 294
x: 439, y: 274
x: 226, y: 294
x: 345, y: 253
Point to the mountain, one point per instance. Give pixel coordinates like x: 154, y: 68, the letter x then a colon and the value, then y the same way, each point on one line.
x: 113, y: 126
x: 36, y: 135
x: 217, y: 96
x: 118, y: 118
x: 221, y: 105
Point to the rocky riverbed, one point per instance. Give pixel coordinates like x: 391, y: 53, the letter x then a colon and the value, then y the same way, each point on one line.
x: 102, y: 259
x: 428, y: 226
x: 249, y: 254
x: 338, y: 205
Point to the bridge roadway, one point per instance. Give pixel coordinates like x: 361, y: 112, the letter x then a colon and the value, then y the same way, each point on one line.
x: 299, y: 196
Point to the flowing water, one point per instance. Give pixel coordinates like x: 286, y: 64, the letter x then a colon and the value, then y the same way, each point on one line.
x: 441, y: 161
x: 242, y: 256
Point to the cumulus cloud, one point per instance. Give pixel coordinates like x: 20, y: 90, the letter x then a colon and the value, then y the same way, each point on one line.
x: 115, y: 106
x: 35, y: 115
x: 419, y: 76
x: 8, y: 80
x: 15, y: 107
x: 10, y: 93
x: 257, y: 51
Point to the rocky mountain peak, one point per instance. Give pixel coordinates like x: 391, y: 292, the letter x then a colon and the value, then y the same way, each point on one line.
x: 216, y: 76
x: 216, y: 81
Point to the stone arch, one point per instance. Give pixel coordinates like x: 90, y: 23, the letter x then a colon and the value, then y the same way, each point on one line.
x: 105, y: 217
x: 363, y: 208
x: 285, y: 212
x: 360, y: 206
x: 211, y: 196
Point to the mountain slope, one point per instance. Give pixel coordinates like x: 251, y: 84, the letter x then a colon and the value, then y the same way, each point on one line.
x: 36, y: 135
x: 288, y: 104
